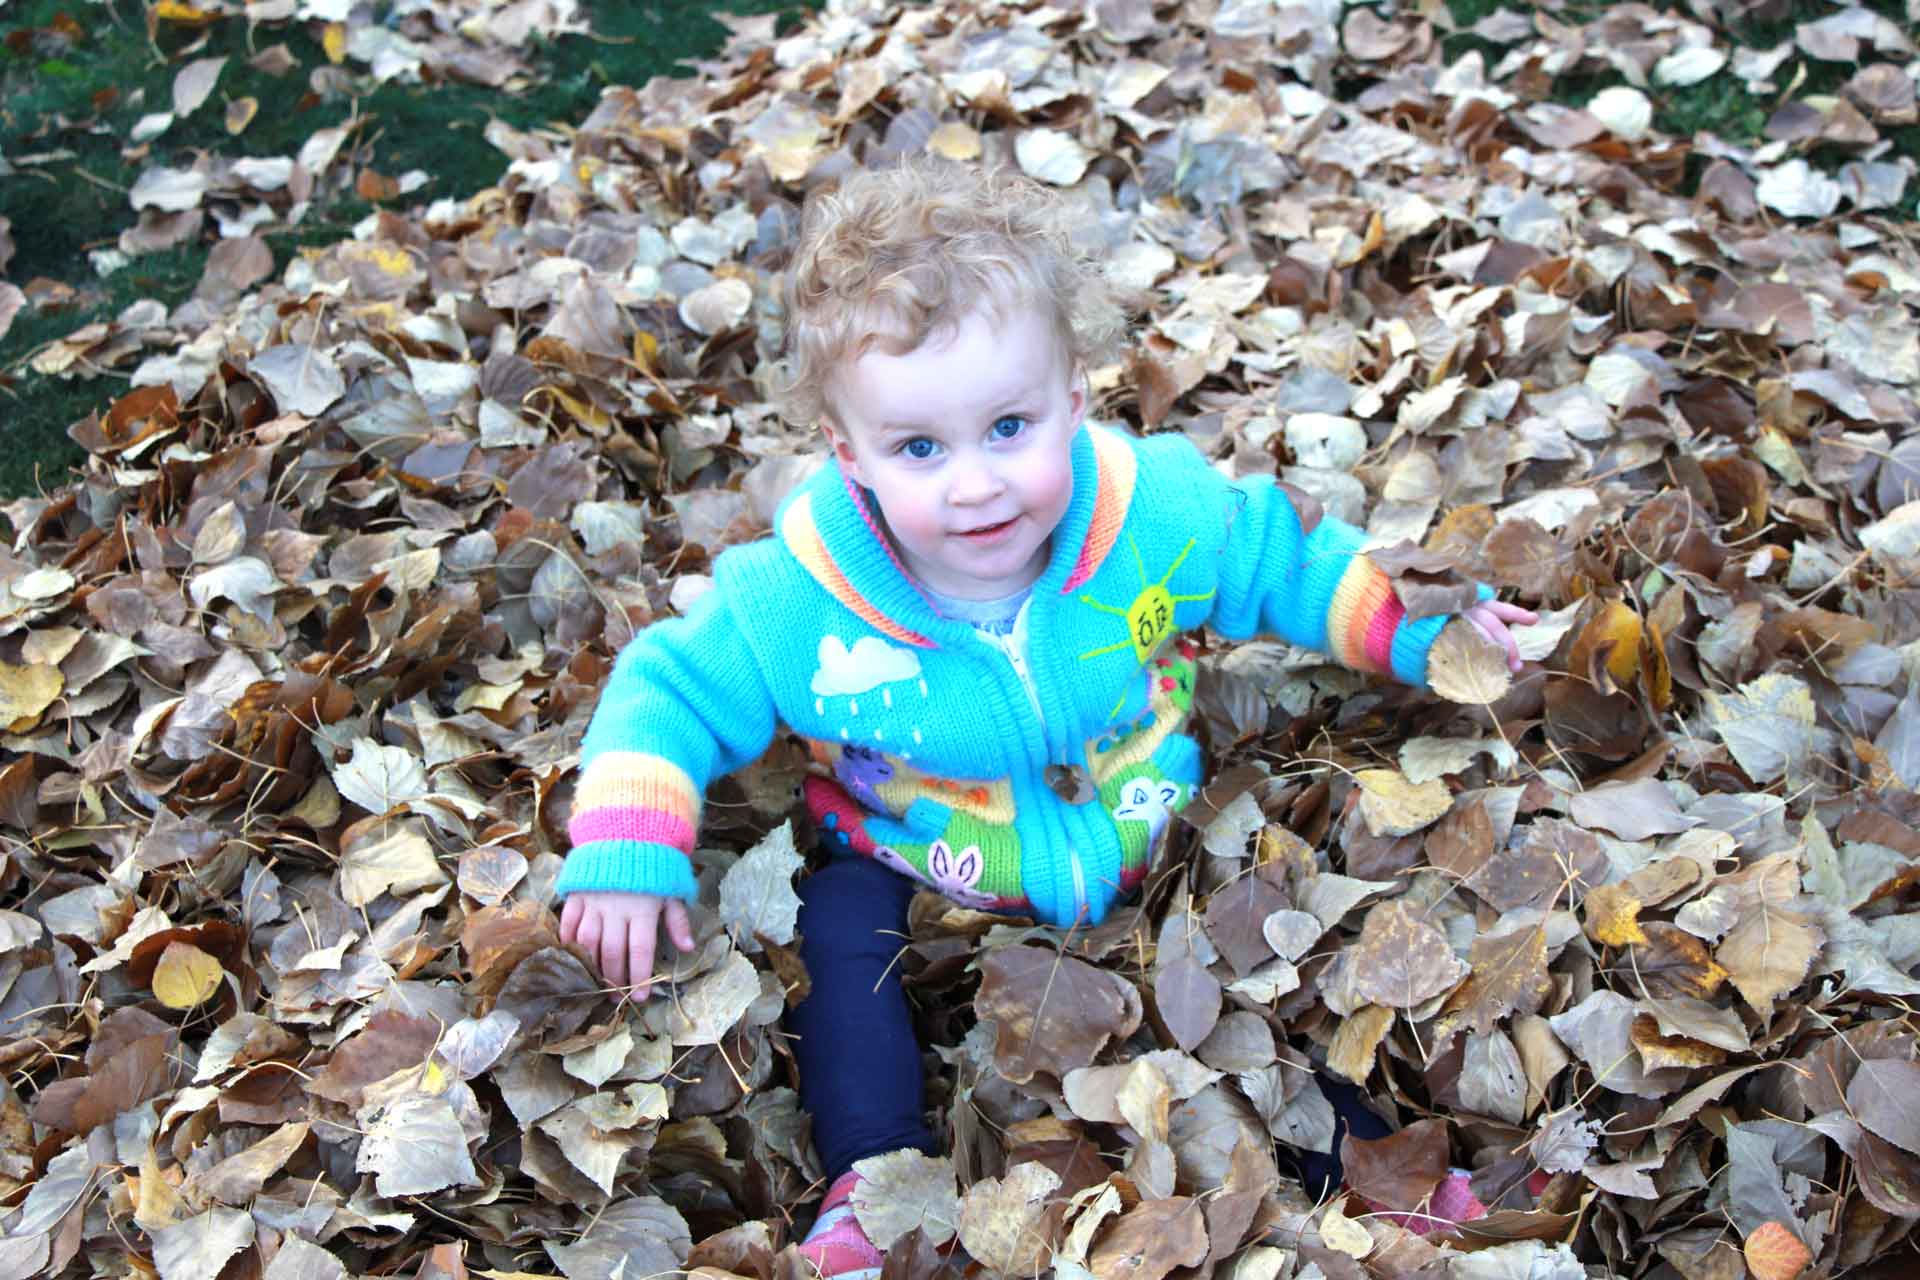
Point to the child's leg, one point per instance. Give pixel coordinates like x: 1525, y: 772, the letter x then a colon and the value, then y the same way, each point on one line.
x: 858, y: 1057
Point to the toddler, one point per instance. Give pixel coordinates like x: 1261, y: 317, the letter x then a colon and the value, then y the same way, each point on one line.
x: 974, y: 615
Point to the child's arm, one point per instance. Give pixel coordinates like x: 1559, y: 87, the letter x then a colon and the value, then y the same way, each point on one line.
x: 685, y: 703
x: 1311, y: 585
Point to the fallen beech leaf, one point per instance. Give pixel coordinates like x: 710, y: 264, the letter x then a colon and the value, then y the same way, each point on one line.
x: 1051, y: 156
x: 1400, y: 1170
x: 1342, y: 1233
x: 1010, y: 1223
x: 1402, y: 961
x: 1613, y: 916
x: 1150, y: 1240
x: 194, y: 84
x: 955, y: 140
x: 185, y: 976
x: 1774, y: 1253
x: 201, y: 1245
x: 1464, y: 666
x: 416, y: 1147
x: 1354, y: 1043
x: 240, y: 113
x: 1507, y: 975
x: 1392, y: 806
x: 26, y: 691
x: 1052, y: 1012
x: 905, y: 1191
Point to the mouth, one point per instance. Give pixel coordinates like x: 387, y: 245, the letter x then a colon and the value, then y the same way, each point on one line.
x: 988, y: 530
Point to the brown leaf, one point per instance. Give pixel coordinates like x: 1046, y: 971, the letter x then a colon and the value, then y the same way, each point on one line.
x: 1882, y: 1098
x: 1508, y: 975
x: 238, y: 1178
x: 1236, y: 921
x: 1400, y: 1170
x: 1151, y: 1240
x: 1188, y: 998
x: 1052, y: 1013
x: 1402, y: 960
x: 1672, y: 962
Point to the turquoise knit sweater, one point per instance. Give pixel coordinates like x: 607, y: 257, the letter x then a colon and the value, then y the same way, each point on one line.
x: 1036, y: 773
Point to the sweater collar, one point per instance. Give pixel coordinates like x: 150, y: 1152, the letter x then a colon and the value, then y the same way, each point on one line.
x: 832, y: 530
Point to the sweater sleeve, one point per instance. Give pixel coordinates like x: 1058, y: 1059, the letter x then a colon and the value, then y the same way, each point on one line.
x: 686, y: 703
x: 1314, y: 588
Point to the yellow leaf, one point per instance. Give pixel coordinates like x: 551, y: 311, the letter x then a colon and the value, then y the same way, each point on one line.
x: 334, y: 41
x: 645, y: 348
x: 1351, y: 1054
x: 240, y: 114
x: 1394, y: 806
x: 1616, y: 624
x: 1340, y: 1232
x: 26, y: 691
x: 956, y: 140
x: 156, y: 1203
x: 173, y: 11
x: 1613, y: 916
x: 185, y: 976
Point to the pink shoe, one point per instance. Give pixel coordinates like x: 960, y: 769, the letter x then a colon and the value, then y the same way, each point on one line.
x: 835, y: 1245
x: 1451, y: 1204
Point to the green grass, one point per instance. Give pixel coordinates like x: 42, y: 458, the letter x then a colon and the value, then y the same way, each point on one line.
x: 82, y: 95
x: 1720, y: 104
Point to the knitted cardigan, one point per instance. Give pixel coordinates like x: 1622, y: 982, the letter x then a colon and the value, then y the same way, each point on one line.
x: 1037, y: 774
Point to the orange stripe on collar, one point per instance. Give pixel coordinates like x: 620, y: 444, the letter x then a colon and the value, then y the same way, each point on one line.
x: 1116, y: 467
x: 802, y: 537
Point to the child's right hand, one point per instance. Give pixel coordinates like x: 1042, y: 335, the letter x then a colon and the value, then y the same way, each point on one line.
x: 618, y: 930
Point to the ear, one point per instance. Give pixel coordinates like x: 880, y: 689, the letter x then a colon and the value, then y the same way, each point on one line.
x: 1077, y: 392
x: 843, y: 451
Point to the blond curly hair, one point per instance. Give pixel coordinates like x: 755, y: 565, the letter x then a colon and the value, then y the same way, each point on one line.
x: 893, y: 255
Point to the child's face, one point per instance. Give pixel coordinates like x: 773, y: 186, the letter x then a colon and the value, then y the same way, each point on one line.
x: 966, y: 443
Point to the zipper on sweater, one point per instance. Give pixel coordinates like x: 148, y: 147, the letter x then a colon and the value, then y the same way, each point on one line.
x: 1014, y: 647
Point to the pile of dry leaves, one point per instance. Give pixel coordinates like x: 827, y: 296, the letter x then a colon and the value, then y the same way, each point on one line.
x: 293, y: 680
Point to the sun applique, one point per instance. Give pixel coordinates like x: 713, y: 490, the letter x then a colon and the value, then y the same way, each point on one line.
x: 1149, y: 619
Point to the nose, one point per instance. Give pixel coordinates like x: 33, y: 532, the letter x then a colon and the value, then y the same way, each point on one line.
x: 973, y: 479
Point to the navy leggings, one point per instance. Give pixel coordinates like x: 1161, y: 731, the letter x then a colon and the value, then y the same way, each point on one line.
x: 854, y: 1040
x: 859, y: 1059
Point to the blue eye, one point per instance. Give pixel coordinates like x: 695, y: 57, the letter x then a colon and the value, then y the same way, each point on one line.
x: 1008, y: 427
x: 919, y: 448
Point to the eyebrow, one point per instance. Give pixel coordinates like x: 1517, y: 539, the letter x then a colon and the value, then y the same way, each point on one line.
x: 1012, y: 404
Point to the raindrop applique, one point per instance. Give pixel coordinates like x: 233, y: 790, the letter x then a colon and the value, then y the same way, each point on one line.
x: 852, y: 672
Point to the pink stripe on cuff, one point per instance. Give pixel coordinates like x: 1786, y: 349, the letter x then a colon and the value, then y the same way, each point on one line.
x: 624, y: 822
x: 1380, y: 633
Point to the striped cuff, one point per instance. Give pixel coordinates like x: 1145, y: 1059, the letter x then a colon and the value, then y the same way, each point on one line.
x: 633, y: 825
x: 628, y: 866
x: 1368, y: 628
x: 1363, y: 618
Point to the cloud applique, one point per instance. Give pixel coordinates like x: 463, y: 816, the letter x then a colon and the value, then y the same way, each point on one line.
x: 871, y: 663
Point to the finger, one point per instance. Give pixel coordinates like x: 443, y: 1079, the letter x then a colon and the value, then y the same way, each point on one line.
x: 679, y: 928
x: 587, y: 929
x: 613, y: 950
x: 640, y: 938
x: 1513, y: 613
x: 570, y: 912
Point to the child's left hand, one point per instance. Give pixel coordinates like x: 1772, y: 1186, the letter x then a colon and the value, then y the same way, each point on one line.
x: 1492, y: 617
